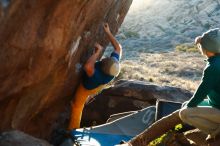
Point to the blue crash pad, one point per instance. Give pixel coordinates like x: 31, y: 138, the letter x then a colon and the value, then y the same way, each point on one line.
x: 87, y: 138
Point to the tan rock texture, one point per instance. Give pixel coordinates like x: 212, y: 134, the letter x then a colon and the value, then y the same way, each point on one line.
x: 43, y: 45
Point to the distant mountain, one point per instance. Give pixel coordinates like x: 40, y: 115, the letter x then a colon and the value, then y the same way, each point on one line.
x: 160, y: 25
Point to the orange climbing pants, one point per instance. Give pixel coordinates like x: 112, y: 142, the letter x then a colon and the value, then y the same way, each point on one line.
x: 77, y: 104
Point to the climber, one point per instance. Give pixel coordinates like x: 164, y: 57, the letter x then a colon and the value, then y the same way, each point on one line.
x: 96, y: 75
x: 203, y: 109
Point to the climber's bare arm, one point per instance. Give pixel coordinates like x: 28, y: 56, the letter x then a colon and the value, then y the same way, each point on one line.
x: 89, y: 66
x: 114, y: 42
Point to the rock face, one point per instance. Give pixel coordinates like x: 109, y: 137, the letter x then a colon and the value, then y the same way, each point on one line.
x: 43, y: 45
x: 17, y: 138
x: 128, y: 96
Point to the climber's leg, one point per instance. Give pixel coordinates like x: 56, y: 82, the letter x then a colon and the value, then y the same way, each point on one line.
x: 78, y: 103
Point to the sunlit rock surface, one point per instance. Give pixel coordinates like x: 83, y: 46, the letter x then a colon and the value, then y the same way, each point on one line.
x: 43, y: 45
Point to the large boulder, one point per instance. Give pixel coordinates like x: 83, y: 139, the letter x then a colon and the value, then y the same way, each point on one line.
x: 129, y: 96
x: 43, y: 46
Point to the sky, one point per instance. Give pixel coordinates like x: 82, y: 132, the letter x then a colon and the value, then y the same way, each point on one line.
x: 140, y: 4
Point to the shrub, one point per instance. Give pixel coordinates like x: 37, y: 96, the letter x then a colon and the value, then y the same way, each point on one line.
x: 186, y: 48
x: 131, y: 34
x: 162, y: 138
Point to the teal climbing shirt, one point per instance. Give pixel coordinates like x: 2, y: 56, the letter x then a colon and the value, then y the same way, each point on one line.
x: 209, y: 86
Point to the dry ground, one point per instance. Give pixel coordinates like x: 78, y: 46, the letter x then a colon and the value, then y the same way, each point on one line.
x: 179, y: 69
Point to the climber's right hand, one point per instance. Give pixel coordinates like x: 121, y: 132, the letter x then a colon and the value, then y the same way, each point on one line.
x: 98, y: 48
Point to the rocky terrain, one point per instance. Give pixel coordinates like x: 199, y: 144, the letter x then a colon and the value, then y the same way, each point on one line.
x: 155, y: 25
x: 153, y: 33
